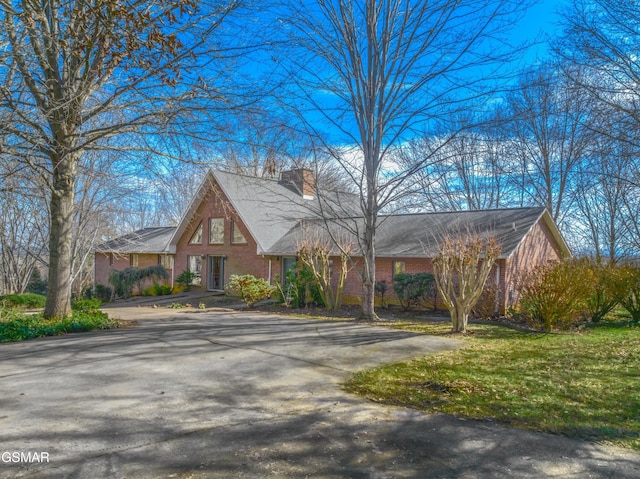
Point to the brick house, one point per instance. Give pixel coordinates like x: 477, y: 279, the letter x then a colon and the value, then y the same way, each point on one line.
x: 245, y: 225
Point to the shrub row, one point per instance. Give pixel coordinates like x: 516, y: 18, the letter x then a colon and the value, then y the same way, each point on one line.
x: 18, y: 326
x: 559, y: 295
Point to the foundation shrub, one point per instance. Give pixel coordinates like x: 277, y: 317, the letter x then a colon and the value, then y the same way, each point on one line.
x: 103, y: 293
x: 249, y: 288
x: 555, y: 295
x: 299, y: 288
x: 412, y: 289
x: 161, y: 289
x: 485, y: 308
x: 627, y: 283
x: 123, y: 281
x: 605, y: 287
x: 185, y: 280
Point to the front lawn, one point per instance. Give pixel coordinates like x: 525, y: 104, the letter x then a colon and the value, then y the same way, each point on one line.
x: 583, y: 385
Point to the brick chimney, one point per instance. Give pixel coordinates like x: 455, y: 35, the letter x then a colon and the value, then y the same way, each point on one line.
x: 302, y: 180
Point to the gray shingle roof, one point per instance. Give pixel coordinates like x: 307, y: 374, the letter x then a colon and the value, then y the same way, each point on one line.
x: 273, y: 213
x: 417, y: 235
x: 147, y: 240
x: 267, y: 208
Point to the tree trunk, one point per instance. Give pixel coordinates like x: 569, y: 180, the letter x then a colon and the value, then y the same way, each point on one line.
x: 459, y: 319
x: 58, y: 303
x: 370, y: 211
x: 368, y: 286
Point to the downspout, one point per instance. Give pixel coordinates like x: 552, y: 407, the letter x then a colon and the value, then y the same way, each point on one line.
x: 497, y: 305
x: 95, y: 270
x: 173, y: 268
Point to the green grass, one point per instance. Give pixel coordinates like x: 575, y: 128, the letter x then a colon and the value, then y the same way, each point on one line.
x: 583, y: 385
x: 23, y: 301
x: 18, y: 326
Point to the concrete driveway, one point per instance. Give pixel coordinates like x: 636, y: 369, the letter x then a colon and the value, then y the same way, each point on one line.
x: 235, y: 394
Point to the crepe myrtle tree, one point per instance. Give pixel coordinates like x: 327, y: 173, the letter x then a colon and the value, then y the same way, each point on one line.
x: 461, y: 267
x: 76, y: 75
x: 375, y: 72
x: 315, y: 249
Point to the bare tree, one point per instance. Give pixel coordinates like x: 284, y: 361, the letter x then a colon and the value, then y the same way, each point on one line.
x: 315, y: 249
x: 550, y: 136
x: 600, y: 43
x: 601, y: 40
x: 23, y: 229
x: 467, y: 171
x: 375, y: 72
x: 461, y: 268
x: 75, y: 75
x: 96, y: 191
x: 263, y: 144
x: 604, y: 193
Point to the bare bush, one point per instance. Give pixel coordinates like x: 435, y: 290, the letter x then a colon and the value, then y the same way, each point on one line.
x: 462, y: 267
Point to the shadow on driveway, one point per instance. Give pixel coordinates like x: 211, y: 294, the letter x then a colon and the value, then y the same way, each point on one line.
x: 242, y: 395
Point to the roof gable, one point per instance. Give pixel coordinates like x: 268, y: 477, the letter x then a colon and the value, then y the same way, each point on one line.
x: 267, y: 208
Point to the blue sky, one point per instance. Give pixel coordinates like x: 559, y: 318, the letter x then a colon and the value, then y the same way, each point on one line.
x: 540, y: 20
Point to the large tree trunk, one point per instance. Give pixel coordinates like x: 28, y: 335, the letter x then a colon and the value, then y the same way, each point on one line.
x: 369, y: 279
x: 368, y: 294
x: 58, y: 303
x: 459, y: 320
x: 370, y: 210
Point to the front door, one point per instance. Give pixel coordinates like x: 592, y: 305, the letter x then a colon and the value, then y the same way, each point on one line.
x: 215, y: 272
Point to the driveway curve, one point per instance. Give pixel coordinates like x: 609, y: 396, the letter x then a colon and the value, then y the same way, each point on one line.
x: 191, y: 394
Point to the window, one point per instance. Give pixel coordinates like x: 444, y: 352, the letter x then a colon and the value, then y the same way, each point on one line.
x: 288, y: 265
x: 133, y: 260
x: 194, y: 264
x: 216, y: 230
x: 197, y: 236
x: 398, y: 267
x: 110, y: 259
x: 166, y: 261
x: 236, y: 234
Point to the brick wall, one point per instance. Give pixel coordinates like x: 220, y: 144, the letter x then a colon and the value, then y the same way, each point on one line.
x: 105, y: 263
x: 538, y: 247
x: 101, y: 268
x: 384, y: 271
x: 239, y: 258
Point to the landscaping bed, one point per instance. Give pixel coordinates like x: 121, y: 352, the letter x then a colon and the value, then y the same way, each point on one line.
x: 18, y: 325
